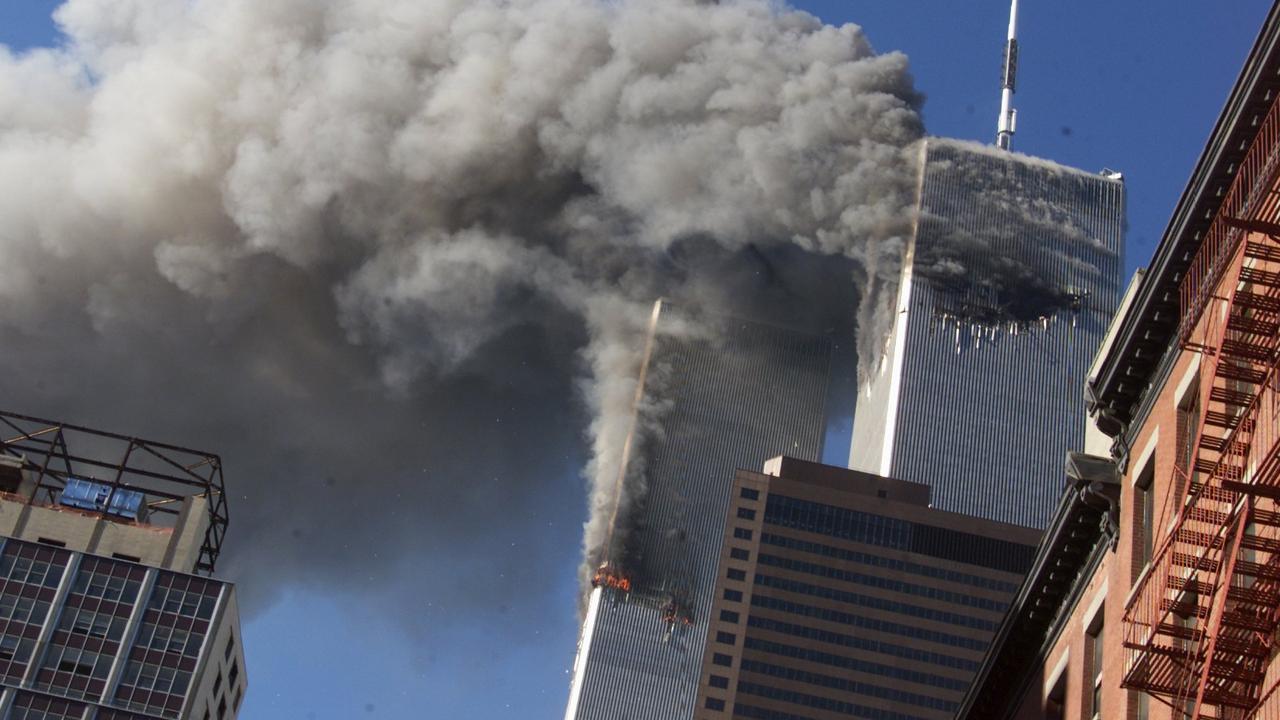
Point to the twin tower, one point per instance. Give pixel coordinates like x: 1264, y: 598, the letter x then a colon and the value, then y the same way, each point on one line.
x: 1011, y: 276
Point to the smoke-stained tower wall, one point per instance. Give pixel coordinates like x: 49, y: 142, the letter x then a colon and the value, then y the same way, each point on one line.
x: 1010, y: 282
x: 730, y: 394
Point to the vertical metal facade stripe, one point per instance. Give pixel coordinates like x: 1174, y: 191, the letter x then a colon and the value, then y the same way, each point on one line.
x: 988, y: 427
x: 754, y: 392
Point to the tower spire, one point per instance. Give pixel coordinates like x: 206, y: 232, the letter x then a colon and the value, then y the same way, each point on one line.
x: 1007, y: 125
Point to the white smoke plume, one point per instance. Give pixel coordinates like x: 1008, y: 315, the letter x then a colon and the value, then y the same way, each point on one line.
x: 385, y: 255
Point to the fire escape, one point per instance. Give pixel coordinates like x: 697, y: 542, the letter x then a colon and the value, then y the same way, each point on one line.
x: 1200, y: 627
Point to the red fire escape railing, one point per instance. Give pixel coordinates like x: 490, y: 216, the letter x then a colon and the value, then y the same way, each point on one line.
x: 1199, y: 625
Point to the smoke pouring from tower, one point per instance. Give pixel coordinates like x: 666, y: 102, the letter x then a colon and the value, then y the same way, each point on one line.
x: 385, y: 255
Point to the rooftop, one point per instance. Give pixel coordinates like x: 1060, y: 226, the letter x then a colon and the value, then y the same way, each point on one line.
x: 114, y: 477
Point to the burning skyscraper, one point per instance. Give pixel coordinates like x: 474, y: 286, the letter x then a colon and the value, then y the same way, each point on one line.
x: 1009, y: 282
x: 1011, y: 278
x: 726, y: 393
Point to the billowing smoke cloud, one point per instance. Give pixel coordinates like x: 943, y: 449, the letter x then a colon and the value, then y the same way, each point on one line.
x: 394, y: 258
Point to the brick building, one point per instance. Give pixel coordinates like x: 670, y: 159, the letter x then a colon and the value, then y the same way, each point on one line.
x: 1154, y: 594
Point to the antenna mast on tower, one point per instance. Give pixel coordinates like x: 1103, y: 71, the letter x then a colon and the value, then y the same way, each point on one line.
x: 1008, y: 122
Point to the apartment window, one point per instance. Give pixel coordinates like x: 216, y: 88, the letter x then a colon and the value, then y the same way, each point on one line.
x: 40, y: 707
x: 31, y: 572
x: 734, y: 595
x: 190, y: 601
x: 169, y: 639
x: 1056, y: 701
x: 739, y: 554
x: 94, y: 624
x: 749, y: 494
x: 22, y: 609
x: 156, y: 678
x: 722, y: 659
x: 1188, y: 422
x: 78, y: 661
x: 99, y: 584
x: 742, y: 533
x: 719, y: 681
x: 736, y: 574
x: 746, y: 513
x: 1145, y: 528
x: 1095, y: 670
x: 726, y: 638
x: 715, y: 704
x: 16, y: 649
x: 729, y: 616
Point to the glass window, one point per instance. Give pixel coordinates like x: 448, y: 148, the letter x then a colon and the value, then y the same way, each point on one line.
x: 1095, y: 654
x: 749, y: 494
x: 1145, y: 527
x: 1187, y: 425
x: 739, y: 554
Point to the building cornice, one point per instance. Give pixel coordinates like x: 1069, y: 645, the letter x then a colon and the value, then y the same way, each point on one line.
x: 1082, y: 532
x: 1147, y: 334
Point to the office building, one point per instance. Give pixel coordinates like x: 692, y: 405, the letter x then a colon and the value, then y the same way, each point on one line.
x: 1010, y: 279
x: 1168, y: 608
x: 733, y: 392
x: 843, y: 594
x: 106, y: 608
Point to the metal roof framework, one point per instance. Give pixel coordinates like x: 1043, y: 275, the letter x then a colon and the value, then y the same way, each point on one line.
x: 54, y: 452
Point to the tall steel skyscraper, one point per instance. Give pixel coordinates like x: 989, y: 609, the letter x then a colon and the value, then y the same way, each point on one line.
x: 733, y: 397
x: 1009, y: 283
x: 843, y: 594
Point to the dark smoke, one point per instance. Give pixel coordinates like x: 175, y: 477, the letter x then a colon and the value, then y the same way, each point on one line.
x: 994, y: 242
x: 393, y: 258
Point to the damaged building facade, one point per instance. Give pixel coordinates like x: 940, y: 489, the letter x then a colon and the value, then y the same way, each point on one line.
x: 1010, y: 279
x: 949, y: 409
x: 730, y: 393
x: 1166, y: 606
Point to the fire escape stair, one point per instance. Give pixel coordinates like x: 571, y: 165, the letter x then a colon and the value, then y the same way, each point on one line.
x: 1267, y: 252
x: 1201, y: 623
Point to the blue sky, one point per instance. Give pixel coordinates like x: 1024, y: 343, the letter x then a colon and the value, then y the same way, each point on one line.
x: 1101, y: 84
